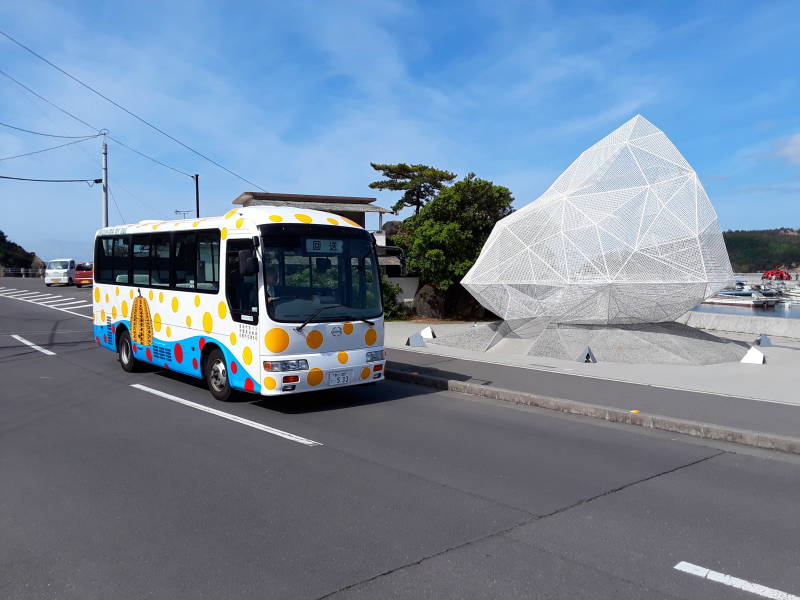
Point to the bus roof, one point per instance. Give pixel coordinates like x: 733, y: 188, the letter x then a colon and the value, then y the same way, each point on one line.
x: 243, y: 217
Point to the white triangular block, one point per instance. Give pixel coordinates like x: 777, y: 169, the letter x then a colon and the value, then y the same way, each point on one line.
x: 427, y: 333
x: 415, y: 340
x: 587, y: 356
x: 754, y: 356
x: 763, y: 341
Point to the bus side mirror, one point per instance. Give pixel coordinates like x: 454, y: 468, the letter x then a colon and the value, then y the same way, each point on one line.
x: 248, y: 265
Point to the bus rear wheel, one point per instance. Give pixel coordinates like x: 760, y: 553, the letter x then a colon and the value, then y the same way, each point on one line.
x: 216, y: 372
x: 125, y: 349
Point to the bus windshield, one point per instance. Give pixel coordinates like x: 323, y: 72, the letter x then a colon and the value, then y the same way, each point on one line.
x: 313, y: 267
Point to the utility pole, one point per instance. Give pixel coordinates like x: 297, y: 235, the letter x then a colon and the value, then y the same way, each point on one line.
x: 105, y: 182
x: 196, y: 178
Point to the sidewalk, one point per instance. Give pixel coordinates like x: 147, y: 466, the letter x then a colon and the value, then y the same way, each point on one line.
x: 735, y: 402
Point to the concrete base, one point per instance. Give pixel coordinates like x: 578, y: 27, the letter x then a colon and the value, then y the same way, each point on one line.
x: 648, y: 343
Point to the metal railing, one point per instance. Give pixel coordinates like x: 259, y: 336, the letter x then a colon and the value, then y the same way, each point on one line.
x: 24, y: 272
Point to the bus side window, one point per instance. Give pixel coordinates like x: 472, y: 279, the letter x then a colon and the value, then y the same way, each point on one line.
x: 184, y: 263
x: 122, y: 259
x: 208, y: 260
x: 241, y: 290
x: 103, y: 255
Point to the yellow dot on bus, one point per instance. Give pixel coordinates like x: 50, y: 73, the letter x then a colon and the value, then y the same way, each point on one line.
x: 365, y: 373
x: 233, y: 339
x: 303, y: 218
x: 247, y: 355
x: 270, y: 383
x: 342, y: 357
x: 347, y: 328
x: 314, y: 339
x: 155, y: 226
x: 116, y: 291
x: 131, y: 293
x: 157, y: 322
x: 208, y: 322
x: 103, y: 316
x: 353, y: 223
x: 275, y: 218
x: 188, y: 321
x: 169, y: 332
x: 332, y: 221
x: 150, y: 294
x: 114, y: 313
x: 175, y: 304
x: 197, y: 300
x: 124, y: 308
x: 230, y: 213
x: 371, y: 337
x: 314, y: 377
x: 276, y: 340
x: 224, y: 233
x: 97, y: 294
x: 160, y: 296
x: 222, y: 310
x: 196, y: 223
x: 106, y: 298
x: 239, y: 222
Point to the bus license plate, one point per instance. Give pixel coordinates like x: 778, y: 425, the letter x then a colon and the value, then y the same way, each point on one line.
x: 339, y: 377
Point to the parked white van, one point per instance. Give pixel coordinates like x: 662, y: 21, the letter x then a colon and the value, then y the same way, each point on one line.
x: 60, y: 270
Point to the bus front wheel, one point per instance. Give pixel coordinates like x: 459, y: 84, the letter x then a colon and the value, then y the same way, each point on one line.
x: 216, y: 371
x: 124, y: 347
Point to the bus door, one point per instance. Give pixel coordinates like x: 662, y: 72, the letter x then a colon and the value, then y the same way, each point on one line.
x: 241, y: 277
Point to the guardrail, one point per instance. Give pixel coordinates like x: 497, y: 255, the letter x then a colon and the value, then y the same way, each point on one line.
x: 21, y: 272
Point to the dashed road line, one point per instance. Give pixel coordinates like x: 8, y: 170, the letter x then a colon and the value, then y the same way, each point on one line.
x: 19, y: 338
x: 280, y: 433
x: 49, y: 304
x: 734, y: 582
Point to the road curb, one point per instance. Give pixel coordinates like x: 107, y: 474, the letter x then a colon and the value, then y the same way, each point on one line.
x: 697, y: 429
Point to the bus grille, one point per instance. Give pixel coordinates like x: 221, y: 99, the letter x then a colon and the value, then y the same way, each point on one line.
x: 162, y: 353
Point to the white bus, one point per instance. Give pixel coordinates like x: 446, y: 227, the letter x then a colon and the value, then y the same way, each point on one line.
x: 269, y: 300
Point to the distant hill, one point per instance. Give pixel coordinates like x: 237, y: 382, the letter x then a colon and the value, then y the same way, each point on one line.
x: 760, y: 250
x: 13, y: 255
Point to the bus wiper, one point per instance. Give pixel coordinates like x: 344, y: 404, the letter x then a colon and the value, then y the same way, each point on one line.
x: 315, y: 313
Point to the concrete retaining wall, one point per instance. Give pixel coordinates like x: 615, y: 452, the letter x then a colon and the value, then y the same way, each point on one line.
x: 789, y: 328
x: 408, y: 287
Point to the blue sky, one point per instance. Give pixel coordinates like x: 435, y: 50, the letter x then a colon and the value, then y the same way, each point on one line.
x: 299, y: 97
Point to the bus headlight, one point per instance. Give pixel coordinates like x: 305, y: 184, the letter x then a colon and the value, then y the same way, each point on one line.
x: 286, y: 365
x: 374, y: 355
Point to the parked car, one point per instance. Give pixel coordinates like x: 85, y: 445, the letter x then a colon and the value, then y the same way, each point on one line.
x: 60, y: 270
x: 84, y: 274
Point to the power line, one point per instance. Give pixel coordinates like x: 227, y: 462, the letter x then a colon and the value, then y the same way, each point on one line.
x: 91, y: 137
x: 134, y: 115
x: 89, y: 181
x: 52, y: 135
x: 89, y: 125
x: 114, y: 198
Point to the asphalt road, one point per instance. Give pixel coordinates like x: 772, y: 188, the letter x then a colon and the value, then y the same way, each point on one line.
x: 110, y: 491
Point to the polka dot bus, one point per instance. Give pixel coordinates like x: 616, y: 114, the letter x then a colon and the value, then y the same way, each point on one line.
x: 268, y: 300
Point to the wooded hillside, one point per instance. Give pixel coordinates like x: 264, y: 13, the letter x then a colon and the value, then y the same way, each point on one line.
x: 13, y: 255
x: 760, y: 250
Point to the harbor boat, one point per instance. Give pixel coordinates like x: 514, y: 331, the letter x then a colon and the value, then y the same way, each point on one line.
x: 743, y: 298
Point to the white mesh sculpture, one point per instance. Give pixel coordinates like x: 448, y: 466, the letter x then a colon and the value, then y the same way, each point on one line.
x: 625, y: 235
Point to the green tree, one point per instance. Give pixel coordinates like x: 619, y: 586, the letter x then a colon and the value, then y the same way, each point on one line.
x: 443, y: 241
x: 419, y: 183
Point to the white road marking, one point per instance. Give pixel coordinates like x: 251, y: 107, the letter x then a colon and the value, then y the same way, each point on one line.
x: 64, y: 303
x: 19, y: 293
x: 40, y: 297
x: 734, y: 582
x: 19, y: 338
x: 55, y: 300
x: 66, y: 310
x: 224, y: 415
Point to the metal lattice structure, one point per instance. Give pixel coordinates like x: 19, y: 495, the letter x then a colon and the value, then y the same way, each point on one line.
x: 626, y: 234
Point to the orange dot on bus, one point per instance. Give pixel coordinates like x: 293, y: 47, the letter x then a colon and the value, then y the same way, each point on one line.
x: 124, y: 308
x: 371, y: 337
x: 270, y: 383
x: 342, y: 357
x: 97, y: 294
x: 116, y: 291
x: 276, y: 340
x: 332, y: 221
x: 230, y: 213
x: 347, y: 328
x: 169, y: 332
x: 157, y: 322
x: 365, y: 373
x: 160, y: 296
x: 103, y: 316
x: 150, y: 294
x: 114, y: 313
x: 188, y: 321
x: 131, y: 294
x: 353, y: 223
x: 106, y: 298
x: 303, y: 218
x: 314, y: 377
x: 314, y: 339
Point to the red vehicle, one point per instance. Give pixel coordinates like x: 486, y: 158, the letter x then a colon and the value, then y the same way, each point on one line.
x: 84, y: 274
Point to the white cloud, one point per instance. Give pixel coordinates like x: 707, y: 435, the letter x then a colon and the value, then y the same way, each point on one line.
x: 789, y: 149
